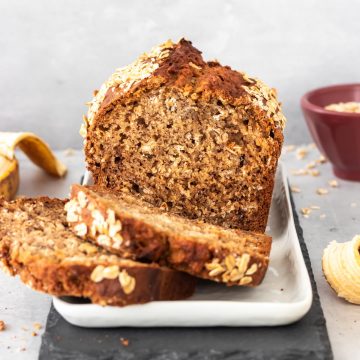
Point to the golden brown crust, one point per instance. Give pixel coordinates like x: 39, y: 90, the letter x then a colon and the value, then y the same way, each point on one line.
x: 64, y: 270
x: 181, y: 65
x: 131, y: 228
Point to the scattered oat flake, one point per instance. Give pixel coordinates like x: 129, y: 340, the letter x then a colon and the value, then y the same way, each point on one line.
x: 69, y: 152
x: 289, y: 148
x: 300, y: 172
x: 124, y: 341
x: 306, y: 212
x: 2, y: 325
x: 311, y: 165
x: 295, y: 189
x: 322, y: 191
x: 333, y: 183
x: 301, y: 153
x: 34, y: 333
x: 37, y: 326
x: 315, y: 207
x: 312, y: 146
x: 314, y: 172
x: 322, y: 216
x: 321, y: 160
x: 25, y: 328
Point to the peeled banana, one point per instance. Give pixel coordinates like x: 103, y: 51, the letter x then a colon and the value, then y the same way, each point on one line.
x: 341, y: 266
x: 36, y: 150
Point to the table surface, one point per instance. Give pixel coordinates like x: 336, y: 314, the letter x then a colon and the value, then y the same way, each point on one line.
x: 337, y: 219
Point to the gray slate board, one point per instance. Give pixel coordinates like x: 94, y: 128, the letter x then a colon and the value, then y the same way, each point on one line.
x: 306, y: 339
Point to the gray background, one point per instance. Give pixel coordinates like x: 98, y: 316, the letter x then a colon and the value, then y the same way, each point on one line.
x: 54, y: 53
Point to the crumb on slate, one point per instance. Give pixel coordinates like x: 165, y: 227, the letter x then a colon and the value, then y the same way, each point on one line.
x: 124, y: 341
x: 2, y: 325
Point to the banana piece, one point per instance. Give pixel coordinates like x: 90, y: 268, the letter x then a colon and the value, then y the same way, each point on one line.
x: 9, y: 177
x: 35, y: 149
x: 341, y: 266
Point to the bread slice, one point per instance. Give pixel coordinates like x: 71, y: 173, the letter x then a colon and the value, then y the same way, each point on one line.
x: 125, y: 225
x: 195, y: 137
x: 37, y: 245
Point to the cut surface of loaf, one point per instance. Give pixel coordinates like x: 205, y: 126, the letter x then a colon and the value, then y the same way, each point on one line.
x: 125, y: 225
x: 37, y: 245
x: 194, y: 137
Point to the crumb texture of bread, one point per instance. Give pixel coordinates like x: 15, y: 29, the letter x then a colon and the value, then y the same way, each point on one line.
x: 193, y: 137
x: 37, y: 245
x: 125, y: 225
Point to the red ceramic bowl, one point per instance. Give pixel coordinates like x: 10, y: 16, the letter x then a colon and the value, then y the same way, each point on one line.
x: 337, y: 134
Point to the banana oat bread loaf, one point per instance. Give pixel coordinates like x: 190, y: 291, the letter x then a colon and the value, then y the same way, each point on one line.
x: 193, y: 137
x: 37, y: 245
x: 131, y: 228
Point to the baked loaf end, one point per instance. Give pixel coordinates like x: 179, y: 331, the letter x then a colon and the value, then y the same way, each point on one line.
x: 196, y: 138
x: 36, y: 244
x: 125, y: 225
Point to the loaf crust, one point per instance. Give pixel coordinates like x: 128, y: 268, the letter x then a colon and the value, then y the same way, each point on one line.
x: 131, y: 228
x: 36, y: 244
x: 195, y: 137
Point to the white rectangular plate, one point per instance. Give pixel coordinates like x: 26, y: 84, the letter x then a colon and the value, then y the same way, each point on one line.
x: 284, y: 297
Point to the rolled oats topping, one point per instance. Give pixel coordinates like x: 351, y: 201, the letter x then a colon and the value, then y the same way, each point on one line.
x: 97, y: 274
x: 232, y: 269
x: 125, y: 78
x: 127, y: 282
x: 80, y: 229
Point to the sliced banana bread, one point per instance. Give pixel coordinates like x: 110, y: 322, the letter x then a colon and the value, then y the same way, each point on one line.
x: 37, y: 245
x: 194, y: 137
x: 125, y: 225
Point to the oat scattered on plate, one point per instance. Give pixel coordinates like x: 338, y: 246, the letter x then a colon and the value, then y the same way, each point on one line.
x: 2, y: 325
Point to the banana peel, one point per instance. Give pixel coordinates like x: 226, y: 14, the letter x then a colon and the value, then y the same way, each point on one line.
x: 36, y: 150
x: 341, y: 267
